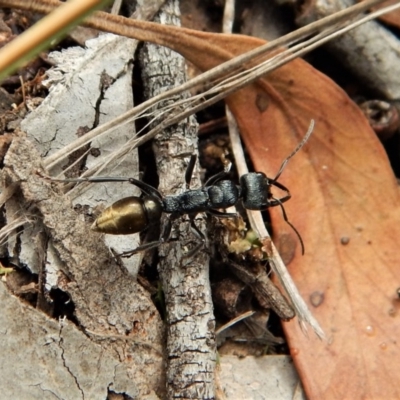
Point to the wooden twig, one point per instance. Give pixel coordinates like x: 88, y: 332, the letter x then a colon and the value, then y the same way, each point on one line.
x: 191, y: 352
x: 370, y: 51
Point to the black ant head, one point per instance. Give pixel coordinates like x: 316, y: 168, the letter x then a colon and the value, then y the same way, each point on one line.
x: 256, y: 191
x: 256, y: 194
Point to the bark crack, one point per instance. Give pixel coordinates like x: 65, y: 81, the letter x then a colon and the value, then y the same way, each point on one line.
x: 60, y: 344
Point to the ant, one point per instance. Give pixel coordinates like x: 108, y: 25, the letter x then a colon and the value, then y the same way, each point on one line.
x: 134, y: 214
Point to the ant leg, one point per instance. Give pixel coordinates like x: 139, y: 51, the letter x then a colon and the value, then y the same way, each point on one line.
x: 279, y: 203
x: 210, y: 181
x: 139, y: 249
x: 189, y: 170
x: 215, y: 178
x: 164, y: 237
x: 144, y: 187
x: 219, y: 176
x: 200, y: 235
x: 300, y: 145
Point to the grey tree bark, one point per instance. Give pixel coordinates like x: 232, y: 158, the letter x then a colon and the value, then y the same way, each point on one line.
x: 191, y: 349
x: 115, y: 341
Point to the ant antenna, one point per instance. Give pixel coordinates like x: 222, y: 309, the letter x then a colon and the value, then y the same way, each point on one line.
x: 300, y: 145
x: 290, y: 224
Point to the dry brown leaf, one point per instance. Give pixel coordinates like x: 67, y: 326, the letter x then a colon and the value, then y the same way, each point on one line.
x: 343, y: 190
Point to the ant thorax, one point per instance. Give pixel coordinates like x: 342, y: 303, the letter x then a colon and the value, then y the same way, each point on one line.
x: 222, y: 194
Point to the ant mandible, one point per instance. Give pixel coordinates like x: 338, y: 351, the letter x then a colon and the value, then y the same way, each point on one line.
x: 134, y: 214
